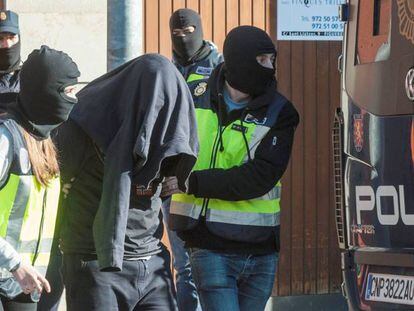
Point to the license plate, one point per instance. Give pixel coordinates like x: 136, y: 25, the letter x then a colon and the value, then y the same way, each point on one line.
x: 390, y: 288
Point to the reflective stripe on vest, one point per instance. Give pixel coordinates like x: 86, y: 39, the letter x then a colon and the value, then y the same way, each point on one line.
x: 28, y: 209
x: 263, y: 211
x: 259, y: 133
x: 27, y: 217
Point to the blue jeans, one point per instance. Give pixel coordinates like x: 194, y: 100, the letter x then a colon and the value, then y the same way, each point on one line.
x: 187, y: 296
x: 233, y: 282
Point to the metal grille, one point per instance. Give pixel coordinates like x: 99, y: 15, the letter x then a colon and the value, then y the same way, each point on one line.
x: 338, y: 179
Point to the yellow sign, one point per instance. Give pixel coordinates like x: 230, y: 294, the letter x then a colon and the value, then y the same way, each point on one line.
x: 406, y: 16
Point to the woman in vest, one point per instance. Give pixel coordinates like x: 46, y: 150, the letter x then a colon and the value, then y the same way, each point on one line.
x: 29, y: 184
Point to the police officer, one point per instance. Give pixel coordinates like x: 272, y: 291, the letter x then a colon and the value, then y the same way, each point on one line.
x: 229, y: 219
x: 29, y: 183
x: 195, y: 58
x: 10, y: 62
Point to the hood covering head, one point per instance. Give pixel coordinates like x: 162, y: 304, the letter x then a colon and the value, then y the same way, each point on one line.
x: 186, y: 47
x: 42, y: 105
x: 141, y: 115
x: 242, y: 71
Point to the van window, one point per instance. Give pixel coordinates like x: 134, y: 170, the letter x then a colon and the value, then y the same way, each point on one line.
x: 373, y: 33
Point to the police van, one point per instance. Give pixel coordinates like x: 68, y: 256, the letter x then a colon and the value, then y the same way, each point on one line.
x: 373, y: 144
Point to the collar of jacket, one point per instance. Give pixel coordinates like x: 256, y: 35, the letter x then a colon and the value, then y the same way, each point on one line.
x: 216, y: 85
x: 10, y: 75
x: 204, y: 52
x: 13, y: 70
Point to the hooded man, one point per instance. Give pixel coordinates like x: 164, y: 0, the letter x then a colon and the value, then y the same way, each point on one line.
x: 229, y: 218
x: 10, y: 62
x: 131, y: 127
x: 194, y: 57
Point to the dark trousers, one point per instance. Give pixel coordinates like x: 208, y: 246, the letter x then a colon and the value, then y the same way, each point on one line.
x: 141, y: 285
x: 20, y: 303
x: 50, y: 301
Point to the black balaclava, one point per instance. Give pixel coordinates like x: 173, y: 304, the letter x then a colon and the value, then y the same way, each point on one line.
x: 241, y: 69
x: 187, y: 46
x: 42, y: 105
x: 10, y: 58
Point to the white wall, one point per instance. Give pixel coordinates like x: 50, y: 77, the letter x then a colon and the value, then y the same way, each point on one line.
x: 77, y: 27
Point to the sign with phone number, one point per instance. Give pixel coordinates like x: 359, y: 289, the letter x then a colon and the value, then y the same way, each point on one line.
x: 309, y: 20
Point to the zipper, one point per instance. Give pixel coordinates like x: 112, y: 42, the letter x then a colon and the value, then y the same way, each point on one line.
x: 215, y: 149
x: 246, y: 143
x: 39, y: 238
x: 212, y: 156
x: 99, y: 153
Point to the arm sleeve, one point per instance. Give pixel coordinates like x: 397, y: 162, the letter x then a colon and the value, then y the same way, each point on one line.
x: 255, y: 177
x: 6, y: 153
x: 9, y: 258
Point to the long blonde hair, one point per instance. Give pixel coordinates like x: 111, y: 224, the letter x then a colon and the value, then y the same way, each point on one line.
x: 43, y: 158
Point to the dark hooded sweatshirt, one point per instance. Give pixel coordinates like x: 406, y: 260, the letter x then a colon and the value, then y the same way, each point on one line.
x: 131, y: 127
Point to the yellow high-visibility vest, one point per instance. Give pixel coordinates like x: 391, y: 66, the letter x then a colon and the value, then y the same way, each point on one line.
x: 27, y: 209
x: 246, y: 220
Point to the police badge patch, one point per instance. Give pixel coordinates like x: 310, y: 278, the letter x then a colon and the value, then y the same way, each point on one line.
x: 406, y: 16
x: 204, y: 71
x: 200, y: 89
x: 251, y: 119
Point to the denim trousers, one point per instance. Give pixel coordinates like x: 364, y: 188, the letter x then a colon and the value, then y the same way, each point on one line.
x: 233, y: 282
x: 187, y: 296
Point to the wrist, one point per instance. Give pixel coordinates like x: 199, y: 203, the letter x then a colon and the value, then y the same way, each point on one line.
x: 15, y: 268
x: 192, y: 183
